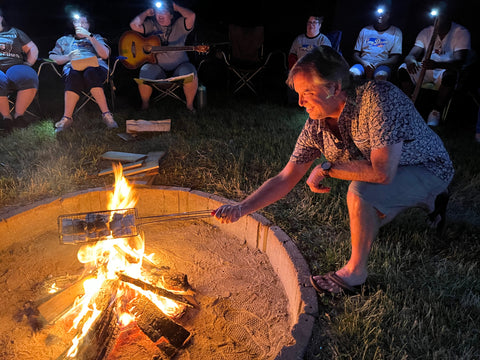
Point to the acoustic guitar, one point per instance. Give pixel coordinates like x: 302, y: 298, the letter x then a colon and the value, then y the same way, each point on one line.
x: 136, y: 49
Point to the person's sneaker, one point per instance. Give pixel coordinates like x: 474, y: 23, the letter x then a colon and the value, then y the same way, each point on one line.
x: 109, y: 121
x: 433, y: 118
x: 20, y: 122
x: 64, y: 123
x: 6, y: 124
x: 437, y: 218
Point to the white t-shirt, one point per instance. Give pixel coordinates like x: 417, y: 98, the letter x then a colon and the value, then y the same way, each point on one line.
x: 377, y: 46
x: 303, y: 44
x: 458, y: 38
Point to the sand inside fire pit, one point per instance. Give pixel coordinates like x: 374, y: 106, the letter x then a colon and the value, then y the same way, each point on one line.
x: 242, y: 313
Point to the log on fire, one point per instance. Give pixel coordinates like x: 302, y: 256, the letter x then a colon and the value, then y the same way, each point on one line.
x: 156, y: 290
x: 61, y: 302
x: 102, y: 334
x: 156, y: 325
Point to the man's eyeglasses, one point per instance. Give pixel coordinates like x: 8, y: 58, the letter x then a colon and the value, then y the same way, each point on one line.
x: 313, y: 22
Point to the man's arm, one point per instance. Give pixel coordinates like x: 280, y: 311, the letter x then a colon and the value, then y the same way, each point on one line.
x: 137, y: 23
x: 271, y: 191
x: 413, y: 58
x: 380, y: 170
x: 459, y: 59
x: 188, y: 14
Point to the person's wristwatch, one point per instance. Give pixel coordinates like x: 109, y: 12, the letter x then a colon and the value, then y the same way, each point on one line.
x: 326, y: 166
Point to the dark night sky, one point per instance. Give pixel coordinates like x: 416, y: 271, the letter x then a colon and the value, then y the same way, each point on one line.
x: 45, y: 20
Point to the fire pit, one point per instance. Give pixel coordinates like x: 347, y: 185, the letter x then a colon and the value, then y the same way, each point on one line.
x: 248, y: 280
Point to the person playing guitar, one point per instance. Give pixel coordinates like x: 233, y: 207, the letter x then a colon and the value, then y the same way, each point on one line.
x: 159, y: 21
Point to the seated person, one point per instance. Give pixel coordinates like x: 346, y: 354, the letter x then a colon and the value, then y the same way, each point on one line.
x: 81, y: 45
x: 378, y: 48
x: 449, y: 54
x: 303, y: 43
x: 16, y: 74
x: 159, y: 22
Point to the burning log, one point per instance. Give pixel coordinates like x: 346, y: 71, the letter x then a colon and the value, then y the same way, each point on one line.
x: 101, y: 336
x: 156, y: 325
x: 61, y: 302
x: 154, y: 289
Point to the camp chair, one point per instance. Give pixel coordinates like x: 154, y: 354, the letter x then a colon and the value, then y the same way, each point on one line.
x: 108, y: 85
x: 246, y: 59
x: 167, y: 87
x: 335, y: 38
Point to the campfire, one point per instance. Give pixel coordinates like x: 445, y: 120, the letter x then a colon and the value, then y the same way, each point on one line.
x: 122, y: 290
x: 242, y: 299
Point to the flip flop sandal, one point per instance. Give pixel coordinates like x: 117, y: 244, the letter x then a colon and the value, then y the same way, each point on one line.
x: 338, y: 283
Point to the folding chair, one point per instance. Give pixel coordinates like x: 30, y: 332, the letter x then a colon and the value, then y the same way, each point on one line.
x: 335, y: 38
x: 87, y: 97
x: 246, y: 59
x: 167, y: 87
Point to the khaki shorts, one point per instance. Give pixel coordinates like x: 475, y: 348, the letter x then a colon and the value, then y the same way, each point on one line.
x: 413, y: 186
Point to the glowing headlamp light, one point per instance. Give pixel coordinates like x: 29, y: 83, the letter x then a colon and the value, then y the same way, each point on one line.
x: 380, y: 10
x: 158, y: 5
x: 434, y: 12
x: 76, y: 16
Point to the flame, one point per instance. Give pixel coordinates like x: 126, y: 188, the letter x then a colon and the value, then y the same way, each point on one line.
x: 108, y: 259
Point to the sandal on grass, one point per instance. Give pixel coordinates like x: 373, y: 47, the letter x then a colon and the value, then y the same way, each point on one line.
x: 331, y: 283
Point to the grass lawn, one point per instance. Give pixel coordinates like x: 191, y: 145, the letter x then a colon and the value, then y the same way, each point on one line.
x: 422, y: 299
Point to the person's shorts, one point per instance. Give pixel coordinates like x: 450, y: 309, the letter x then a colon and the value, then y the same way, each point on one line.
x: 17, y: 78
x: 431, y: 76
x: 91, y: 77
x: 156, y: 72
x: 358, y: 70
x: 413, y: 186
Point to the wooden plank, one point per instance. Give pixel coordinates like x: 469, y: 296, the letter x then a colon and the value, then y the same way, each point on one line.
x: 122, y: 156
x: 136, y: 126
x: 151, y: 163
x: 127, y: 166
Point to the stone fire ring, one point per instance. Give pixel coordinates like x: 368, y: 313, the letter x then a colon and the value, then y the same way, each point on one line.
x: 257, y: 232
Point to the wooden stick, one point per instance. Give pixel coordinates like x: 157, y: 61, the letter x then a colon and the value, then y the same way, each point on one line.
x: 419, y: 83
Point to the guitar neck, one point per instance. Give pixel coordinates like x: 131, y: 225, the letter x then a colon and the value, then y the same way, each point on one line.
x: 157, y: 49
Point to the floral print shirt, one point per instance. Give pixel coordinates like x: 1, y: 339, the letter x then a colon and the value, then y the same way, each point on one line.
x: 377, y: 114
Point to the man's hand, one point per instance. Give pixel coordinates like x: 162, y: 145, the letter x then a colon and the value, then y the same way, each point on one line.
x: 315, y: 179
x: 430, y: 64
x: 228, y: 213
x: 413, y: 66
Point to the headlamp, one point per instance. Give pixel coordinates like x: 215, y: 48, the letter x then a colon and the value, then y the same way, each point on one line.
x: 380, y: 10
x: 158, y: 5
x: 76, y: 16
x: 434, y: 13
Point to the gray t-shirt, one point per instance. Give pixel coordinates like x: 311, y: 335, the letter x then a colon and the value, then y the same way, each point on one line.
x: 68, y: 43
x: 11, y: 43
x: 377, y: 114
x: 174, y: 35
